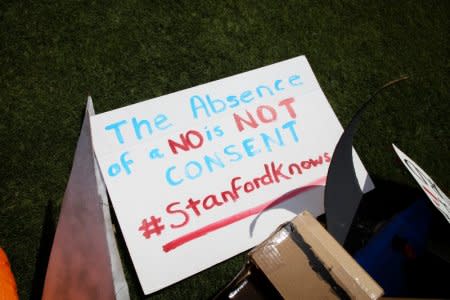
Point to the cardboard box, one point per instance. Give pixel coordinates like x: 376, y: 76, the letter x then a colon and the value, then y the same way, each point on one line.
x: 301, y: 260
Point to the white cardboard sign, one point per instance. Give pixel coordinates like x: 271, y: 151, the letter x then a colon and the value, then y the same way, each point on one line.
x: 193, y: 175
x: 433, y: 192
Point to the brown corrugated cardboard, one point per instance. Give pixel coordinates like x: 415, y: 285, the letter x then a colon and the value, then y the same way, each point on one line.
x: 301, y: 260
x: 289, y: 269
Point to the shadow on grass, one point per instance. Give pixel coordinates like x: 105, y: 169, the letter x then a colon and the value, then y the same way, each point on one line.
x: 43, y: 254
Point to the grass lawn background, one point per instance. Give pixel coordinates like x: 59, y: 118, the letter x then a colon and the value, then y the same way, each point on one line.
x: 53, y: 53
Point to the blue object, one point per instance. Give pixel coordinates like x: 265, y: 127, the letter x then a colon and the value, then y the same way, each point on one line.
x: 403, y: 239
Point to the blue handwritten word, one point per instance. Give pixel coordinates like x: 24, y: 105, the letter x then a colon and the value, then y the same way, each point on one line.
x: 156, y: 153
x: 210, y: 106
x: 116, y: 168
x: 140, y: 127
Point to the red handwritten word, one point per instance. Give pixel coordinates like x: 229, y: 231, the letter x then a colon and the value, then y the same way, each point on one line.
x: 240, y: 216
x: 187, y: 141
x: 265, y: 114
x: 194, y: 139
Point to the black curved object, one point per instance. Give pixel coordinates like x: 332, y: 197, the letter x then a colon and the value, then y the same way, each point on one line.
x: 342, y: 190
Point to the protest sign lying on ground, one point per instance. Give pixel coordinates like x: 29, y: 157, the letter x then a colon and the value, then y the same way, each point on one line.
x: 189, y: 172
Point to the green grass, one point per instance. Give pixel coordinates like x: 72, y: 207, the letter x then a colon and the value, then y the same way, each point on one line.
x: 53, y: 53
